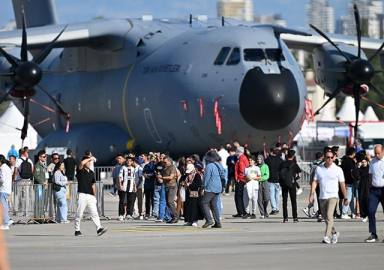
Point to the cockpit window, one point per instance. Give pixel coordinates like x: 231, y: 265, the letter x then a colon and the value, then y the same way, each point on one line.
x: 255, y: 55
x: 220, y: 59
x: 234, y: 58
x: 275, y: 55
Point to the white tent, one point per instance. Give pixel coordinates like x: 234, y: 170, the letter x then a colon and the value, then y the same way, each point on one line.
x: 347, y: 111
x: 370, y: 115
x: 9, y: 135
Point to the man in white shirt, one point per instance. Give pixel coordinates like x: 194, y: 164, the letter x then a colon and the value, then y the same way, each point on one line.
x: 18, y: 167
x: 376, y: 192
x: 223, y: 153
x: 5, y: 190
x: 329, y: 176
x: 139, y: 186
x: 127, y: 189
x: 252, y: 175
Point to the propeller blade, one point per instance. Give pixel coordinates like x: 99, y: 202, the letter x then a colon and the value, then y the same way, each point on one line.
x: 63, y: 72
x: 9, y: 58
x: 335, y: 70
x: 56, y: 102
x: 376, y: 53
x: 358, y: 29
x: 7, y: 74
x: 334, y: 94
x: 377, y: 91
x: 5, y: 96
x: 24, y: 45
x: 44, y: 53
x: 330, y: 41
x: 24, y: 130
x: 356, y: 95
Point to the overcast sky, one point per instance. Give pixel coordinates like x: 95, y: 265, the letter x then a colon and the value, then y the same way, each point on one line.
x: 293, y: 11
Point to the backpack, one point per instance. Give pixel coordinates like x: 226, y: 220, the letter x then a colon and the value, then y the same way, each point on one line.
x: 287, y: 176
x: 222, y: 180
x: 26, y: 169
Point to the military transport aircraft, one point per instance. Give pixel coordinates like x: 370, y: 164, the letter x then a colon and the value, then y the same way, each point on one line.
x: 181, y: 85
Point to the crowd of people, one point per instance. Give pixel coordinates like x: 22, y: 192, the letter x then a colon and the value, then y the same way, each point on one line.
x: 154, y: 186
x: 58, y: 174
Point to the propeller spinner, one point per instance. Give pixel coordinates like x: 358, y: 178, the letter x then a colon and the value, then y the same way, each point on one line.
x: 27, y: 74
x: 357, y: 72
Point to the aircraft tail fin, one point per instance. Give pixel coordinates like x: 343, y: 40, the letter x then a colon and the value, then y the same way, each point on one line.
x: 37, y: 12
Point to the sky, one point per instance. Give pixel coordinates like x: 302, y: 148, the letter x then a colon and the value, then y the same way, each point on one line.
x: 292, y: 11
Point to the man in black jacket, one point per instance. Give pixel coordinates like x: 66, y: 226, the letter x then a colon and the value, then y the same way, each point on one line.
x: 273, y: 162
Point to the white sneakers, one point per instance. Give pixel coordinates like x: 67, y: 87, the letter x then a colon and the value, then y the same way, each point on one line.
x: 345, y: 216
x: 365, y: 219
x: 305, y: 210
x: 326, y: 240
x: 334, y: 238
x: 3, y: 227
x: 120, y: 218
x: 187, y: 224
x: 299, y: 191
x: 195, y: 224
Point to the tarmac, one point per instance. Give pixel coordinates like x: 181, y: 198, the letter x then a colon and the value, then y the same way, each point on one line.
x: 240, y: 244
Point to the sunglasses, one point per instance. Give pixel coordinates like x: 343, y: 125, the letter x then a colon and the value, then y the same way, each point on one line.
x: 43, y: 156
x: 56, y: 158
x: 329, y: 157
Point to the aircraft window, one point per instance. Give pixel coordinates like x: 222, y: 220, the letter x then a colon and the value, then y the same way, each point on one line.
x: 255, y: 55
x: 220, y: 59
x: 234, y: 58
x: 275, y: 55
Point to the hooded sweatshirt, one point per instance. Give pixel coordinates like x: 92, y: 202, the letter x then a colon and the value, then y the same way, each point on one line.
x: 264, y: 169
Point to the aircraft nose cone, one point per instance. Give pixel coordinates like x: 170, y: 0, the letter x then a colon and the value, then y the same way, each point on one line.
x: 269, y: 101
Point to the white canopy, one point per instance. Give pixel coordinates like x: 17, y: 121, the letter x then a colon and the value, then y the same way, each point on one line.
x: 347, y: 111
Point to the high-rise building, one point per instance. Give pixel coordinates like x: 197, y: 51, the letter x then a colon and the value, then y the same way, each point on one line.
x: 236, y: 9
x: 371, y: 14
x: 321, y: 15
x: 272, y: 18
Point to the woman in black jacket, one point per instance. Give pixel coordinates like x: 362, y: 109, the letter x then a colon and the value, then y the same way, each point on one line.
x: 362, y: 174
x: 192, y: 210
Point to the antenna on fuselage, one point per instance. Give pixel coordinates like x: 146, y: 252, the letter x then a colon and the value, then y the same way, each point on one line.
x: 190, y: 19
x: 222, y: 21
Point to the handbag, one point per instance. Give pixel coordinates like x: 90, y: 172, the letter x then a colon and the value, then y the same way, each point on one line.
x: 55, y: 186
x: 193, y: 194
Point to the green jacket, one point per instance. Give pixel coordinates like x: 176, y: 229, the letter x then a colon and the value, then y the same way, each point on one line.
x: 264, y: 173
x: 39, y: 173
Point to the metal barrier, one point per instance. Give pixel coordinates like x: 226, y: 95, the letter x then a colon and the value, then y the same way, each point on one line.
x: 37, y: 204
x: 104, y: 174
x: 305, y: 173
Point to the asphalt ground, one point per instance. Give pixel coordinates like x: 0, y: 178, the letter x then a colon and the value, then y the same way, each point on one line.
x: 240, y: 244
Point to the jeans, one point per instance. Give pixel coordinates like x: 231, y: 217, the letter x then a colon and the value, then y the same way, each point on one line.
x: 350, y: 196
x: 292, y: 195
x: 163, y: 209
x: 62, y: 208
x: 156, y: 200
x: 376, y: 196
x: 4, y: 202
x: 210, y: 203
x: 274, y: 194
x: 239, y: 200
x: 219, y: 204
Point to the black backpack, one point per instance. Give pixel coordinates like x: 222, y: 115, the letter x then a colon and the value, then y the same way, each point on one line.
x: 287, y: 175
x: 26, y: 169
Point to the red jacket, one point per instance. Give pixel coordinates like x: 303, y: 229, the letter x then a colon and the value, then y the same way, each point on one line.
x: 240, y: 166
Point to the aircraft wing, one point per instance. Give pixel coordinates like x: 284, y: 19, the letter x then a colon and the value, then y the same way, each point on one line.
x: 100, y: 34
x: 308, y: 43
